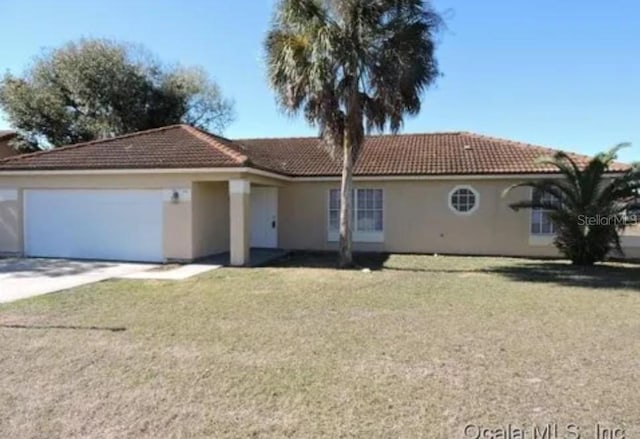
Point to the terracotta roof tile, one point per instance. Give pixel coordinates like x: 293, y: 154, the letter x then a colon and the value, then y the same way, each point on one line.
x: 7, y: 134
x: 175, y: 146
x: 181, y: 146
x: 411, y: 154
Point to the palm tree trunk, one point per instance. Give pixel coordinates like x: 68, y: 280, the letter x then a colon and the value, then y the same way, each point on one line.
x: 346, y: 257
x: 352, y: 138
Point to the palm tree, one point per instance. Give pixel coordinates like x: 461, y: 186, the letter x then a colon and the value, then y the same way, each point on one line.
x: 351, y: 66
x: 589, y: 206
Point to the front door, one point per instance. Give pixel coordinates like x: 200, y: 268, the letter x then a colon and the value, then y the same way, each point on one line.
x: 264, y: 217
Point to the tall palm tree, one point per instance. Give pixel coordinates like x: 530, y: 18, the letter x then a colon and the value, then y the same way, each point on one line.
x: 351, y: 66
x: 589, y: 206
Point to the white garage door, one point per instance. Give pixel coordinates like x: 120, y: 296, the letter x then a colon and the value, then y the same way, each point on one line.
x: 94, y: 224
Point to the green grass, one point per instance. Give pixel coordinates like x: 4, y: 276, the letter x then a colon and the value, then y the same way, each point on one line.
x: 419, y: 347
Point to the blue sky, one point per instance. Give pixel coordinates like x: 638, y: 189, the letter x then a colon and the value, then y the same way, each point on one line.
x: 564, y: 73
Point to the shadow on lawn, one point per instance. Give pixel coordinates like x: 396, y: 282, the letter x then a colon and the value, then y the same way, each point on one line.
x: 318, y: 259
x: 604, y: 276
x: 46, y: 327
x: 598, y: 276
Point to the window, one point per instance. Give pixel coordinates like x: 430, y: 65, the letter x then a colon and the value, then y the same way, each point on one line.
x: 367, y: 214
x: 463, y: 200
x: 541, y: 223
x: 334, y: 209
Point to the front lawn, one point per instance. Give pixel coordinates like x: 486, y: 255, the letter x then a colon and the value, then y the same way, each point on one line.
x: 421, y: 346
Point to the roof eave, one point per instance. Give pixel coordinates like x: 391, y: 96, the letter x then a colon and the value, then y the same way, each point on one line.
x: 139, y: 171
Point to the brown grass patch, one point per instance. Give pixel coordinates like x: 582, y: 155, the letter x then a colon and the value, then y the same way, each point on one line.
x: 419, y: 347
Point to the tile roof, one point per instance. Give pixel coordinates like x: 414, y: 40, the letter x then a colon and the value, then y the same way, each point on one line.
x: 412, y: 154
x: 7, y: 133
x: 174, y: 146
x: 182, y: 146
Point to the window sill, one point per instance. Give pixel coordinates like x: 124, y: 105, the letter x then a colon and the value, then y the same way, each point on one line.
x: 541, y: 240
x: 359, y: 237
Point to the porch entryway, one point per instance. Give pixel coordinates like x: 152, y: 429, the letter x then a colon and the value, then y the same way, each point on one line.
x: 257, y: 257
x: 253, y: 217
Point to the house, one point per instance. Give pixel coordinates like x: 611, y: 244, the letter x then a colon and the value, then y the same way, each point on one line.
x: 178, y: 193
x: 5, y: 149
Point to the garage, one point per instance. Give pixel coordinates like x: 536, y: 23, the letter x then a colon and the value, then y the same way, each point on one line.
x: 121, y: 225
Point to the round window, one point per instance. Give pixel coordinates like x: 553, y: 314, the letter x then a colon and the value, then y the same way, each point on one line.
x: 463, y: 199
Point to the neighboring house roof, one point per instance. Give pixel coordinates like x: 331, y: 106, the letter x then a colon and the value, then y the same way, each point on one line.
x: 5, y: 149
x: 182, y: 146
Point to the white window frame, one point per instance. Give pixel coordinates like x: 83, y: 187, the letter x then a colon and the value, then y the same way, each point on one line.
x: 470, y: 189
x: 531, y: 232
x: 357, y: 235
x: 540, y: 238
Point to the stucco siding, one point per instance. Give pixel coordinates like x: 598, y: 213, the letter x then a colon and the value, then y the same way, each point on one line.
x: 177, y: 233
x: 630, y: 241
x: 210, y: 204
x: 417, y: 216
x: 240, y: 225
x: 417, y: 219
x: 194, y: 226
x: 10, y: 222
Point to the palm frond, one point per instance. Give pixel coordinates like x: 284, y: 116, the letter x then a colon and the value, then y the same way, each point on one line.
x: 542, y: 186
x: 362, y: 61
x: 585, y: 193
x: 565, y: 165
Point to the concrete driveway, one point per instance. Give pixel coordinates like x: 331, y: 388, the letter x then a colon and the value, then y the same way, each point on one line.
x: 22, y: 278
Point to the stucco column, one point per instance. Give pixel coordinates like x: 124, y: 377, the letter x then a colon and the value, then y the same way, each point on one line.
x: 240, y: 218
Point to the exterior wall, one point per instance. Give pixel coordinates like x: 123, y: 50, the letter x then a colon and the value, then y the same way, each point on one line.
x: 177, y: 238
x: 240, y: 224
x: 210, y: 221
x: 196, y: 225
x: 177, y: 231
x: 417, y: 219
x: 10, y: 222
x: 630, y: 241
